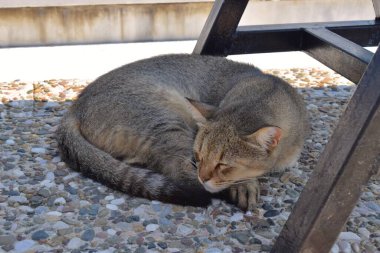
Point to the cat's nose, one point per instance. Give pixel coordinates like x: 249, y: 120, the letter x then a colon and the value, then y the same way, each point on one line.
x: 204, y: 177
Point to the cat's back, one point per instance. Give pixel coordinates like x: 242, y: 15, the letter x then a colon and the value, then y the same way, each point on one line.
x: 179, y: 67
x: 182, y: 72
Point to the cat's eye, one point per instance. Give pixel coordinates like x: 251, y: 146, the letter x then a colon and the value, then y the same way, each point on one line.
x: 223, y: 169
x: 227, y: 170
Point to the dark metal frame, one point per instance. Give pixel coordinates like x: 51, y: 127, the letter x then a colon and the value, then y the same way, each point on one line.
x: 352, y: 155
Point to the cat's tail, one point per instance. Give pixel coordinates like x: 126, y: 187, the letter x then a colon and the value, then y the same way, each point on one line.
x: 81, y: 155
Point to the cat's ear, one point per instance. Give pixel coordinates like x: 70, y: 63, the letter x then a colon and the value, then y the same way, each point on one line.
x: 200, y: 111
x: 267, y: 137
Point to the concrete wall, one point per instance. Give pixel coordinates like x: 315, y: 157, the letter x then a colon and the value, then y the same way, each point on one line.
x: 54, y: 22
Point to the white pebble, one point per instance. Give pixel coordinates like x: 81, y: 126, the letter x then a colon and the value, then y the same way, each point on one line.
x: 14, y: 227
x: 23, y: 246
x: 50, y: 176
x: 312, y: 107
x: 213, y: 250
x: 84, y: 203
x: 112, y: 207
x: 266, y: 198
x: 53, y: 214
x: 364, y: 233
x: 109, y: 250
x: 75, y: 243
x: 70, y: 176
x: 349, y: 236
x: 26, y: 209
x: 60, y: 225
x: 355, y: 247
x: 110, y: 197
x: 118, y: 201
x: 173, y: 250
x: 344, y: 247
x: 38, y: 150
x: 56, y: 159
x: 73, y: 184
x: 152, y: 227
x: 10, y: 142
x: 237, y: 217
x: 184, y: 230
x: 111, y: 231
x: 141, y: 211
x: 47, y: 183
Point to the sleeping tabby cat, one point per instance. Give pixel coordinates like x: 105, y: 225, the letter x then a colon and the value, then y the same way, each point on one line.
x: 184, y: 129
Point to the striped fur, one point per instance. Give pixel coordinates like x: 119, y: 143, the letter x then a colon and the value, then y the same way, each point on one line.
x: 138, y: 127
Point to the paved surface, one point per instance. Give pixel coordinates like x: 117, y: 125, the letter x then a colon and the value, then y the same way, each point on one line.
x: 46, y: 207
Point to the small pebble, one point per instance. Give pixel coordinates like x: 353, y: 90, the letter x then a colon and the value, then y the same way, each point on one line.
x: 38, y: 150
x: 213, y: 250
x: 60, y: 225
x: 6, y: 240
x: 53, y: 216
x: 355, y: 247
x: 152, y: 227
x: 237, y: 217
x: 184, y: 230
x: 344, y: 247
x: 24, y: 245
x: 162, y: 245
x: 187, y: 242
x: 118, y: 201
x: 271, y: 213
x: 349, y: 236
x: 111, y: 232
x: 112, y: 207
x: 18, y: 199
x: 151, y: 245
x: 364, y: 233
x: 10, y: 142
x: 59, y: 201
x: 242, y: 237
x: 75, y: 243
x: 88, y: 235
x: 39, y: 235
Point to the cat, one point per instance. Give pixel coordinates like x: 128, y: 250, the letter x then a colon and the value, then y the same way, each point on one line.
x: 184, y: 129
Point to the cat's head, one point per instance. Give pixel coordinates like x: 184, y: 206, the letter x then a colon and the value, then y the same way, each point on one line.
x: 225, y: 158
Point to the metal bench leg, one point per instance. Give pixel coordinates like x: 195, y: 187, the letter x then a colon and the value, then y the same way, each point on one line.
x: 221, y: 24
x: 350, y: 158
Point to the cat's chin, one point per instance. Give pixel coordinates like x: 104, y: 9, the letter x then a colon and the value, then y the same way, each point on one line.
x: 211, y: 188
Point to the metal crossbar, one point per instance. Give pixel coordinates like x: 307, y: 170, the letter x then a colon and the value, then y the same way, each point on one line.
x: 336, y: 52
x: 352, y: 155
x: 338, y: 45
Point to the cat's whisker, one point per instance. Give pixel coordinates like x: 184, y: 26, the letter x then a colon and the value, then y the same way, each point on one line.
x: 230, y: 182
x: 186, y: 159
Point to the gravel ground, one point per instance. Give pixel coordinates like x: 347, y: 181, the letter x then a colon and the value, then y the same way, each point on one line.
x: 46, y: 207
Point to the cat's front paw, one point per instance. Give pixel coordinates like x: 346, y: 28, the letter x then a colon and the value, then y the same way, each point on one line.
x: 245, y: 195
